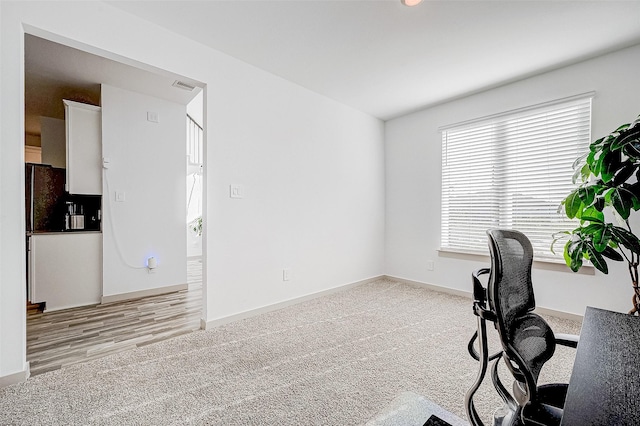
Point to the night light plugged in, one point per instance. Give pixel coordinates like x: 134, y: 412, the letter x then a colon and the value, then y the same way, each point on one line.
x: 152, y: 263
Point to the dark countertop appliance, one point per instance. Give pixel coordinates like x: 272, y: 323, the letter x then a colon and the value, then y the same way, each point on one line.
x: 82, y: 212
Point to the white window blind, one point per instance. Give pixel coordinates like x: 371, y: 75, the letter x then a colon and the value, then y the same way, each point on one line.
x: 512, y: 171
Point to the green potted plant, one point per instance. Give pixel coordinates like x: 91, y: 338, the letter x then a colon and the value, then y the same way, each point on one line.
x: 608, y: 190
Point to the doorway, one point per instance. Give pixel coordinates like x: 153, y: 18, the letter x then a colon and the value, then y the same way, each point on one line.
x: 51, y: 74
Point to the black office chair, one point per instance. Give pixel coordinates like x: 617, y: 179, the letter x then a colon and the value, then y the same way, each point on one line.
x: 527, y: 340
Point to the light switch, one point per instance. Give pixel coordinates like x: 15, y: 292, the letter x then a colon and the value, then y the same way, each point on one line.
x: 153, y: 117
x: 236, y: 191
x: 120, y: 196
x: 286, y: 274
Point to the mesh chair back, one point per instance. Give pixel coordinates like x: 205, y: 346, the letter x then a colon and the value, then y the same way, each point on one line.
x: 510, y: 288
x: 526, y: 338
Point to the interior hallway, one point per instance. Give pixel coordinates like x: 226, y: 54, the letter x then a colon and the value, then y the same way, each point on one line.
x: 60, y: 338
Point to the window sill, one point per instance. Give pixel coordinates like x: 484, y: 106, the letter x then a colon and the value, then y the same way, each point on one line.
x: 541, y: 263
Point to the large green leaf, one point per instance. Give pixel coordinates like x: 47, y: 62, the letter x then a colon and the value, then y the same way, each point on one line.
x: 622, y: 200
x: 575, y: 254
x: 585, y: 173
x: 612, y: 254
x: 630, y: 135
x: 624, y: 173
x: 601, y: 238
x: 626, y: 238
x: 621, y: 128
x: 572, y: 204
x: 635, y: 188
x: 607, y: 141
x: 578, y: 161
x: 597, y: 142
x: 567, y: 256
x: 598, y: 160
x: 611, y: 163
x: 597, y: 234
x: 592, y: 228
x: 590, y: 214
x: 632, y: 149
x: 596, y: 259
x: 588, y: 193
x: 591, y: 160
x: 581, y: 173
x: 557, y: 236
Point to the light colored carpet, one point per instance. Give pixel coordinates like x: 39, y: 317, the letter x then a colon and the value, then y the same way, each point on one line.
x: 335, y: 360
x: 409, y: 408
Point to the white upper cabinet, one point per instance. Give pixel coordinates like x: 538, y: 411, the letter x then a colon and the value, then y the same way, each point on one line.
x: 84, y: 148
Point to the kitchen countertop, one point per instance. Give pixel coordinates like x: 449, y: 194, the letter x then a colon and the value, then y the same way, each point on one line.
x: 69, y: 232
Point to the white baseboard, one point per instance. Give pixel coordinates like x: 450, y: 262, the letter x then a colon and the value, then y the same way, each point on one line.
x: 559, y: 314
x: 12, y: 379
x: 469, y: 295
x: 208, y: 325
x: 433, y: 287
x: 143, y: 293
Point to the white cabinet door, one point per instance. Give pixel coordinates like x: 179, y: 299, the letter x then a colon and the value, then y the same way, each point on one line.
x: 66, y: 269
x: 84, y: 148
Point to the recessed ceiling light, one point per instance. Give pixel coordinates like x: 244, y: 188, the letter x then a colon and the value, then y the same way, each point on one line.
x: 411, y: 2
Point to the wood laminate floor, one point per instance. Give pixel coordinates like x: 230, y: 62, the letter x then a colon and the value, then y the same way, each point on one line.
x: 61, y: 338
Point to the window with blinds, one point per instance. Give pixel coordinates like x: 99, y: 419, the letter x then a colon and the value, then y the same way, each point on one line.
x: 512, y: 171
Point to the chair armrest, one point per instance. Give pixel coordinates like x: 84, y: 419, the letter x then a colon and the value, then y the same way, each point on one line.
x: 570, y: 340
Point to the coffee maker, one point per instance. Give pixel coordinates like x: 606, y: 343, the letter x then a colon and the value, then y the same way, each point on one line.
x: 74, y: 217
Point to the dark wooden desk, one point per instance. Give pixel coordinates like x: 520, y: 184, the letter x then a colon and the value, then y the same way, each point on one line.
x: 605, y: 383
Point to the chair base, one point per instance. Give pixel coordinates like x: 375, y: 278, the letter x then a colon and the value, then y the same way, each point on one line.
x: 548, y: 411
x: 504, y: 416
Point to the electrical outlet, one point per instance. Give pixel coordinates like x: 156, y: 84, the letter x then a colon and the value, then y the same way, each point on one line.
x: 236, y: 191
x: 286, y: 274
x: 429, y: 265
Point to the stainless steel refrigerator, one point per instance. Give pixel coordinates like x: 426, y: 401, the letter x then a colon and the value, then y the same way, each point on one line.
x: 44, y: 204
x: 44, y: 198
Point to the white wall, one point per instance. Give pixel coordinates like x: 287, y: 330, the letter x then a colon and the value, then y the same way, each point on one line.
x: 413, y: 155
x: 313, y: 169
x: 195, y: 108
x: 147, y: 165
x: 314, y: 180
x: 13, y: 364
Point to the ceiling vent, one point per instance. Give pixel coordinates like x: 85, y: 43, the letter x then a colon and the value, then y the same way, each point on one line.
x: 182, y: 85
